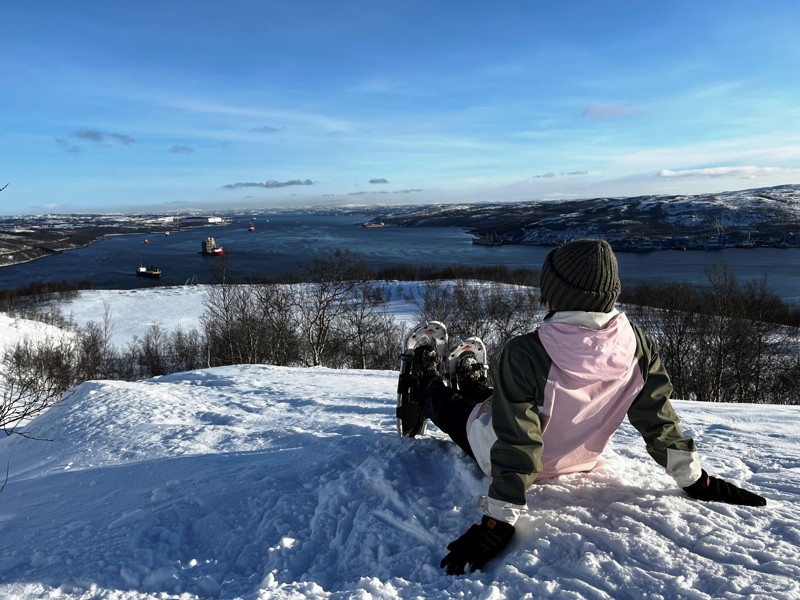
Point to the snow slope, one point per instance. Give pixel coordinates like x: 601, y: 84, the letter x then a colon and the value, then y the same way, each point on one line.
x: 269, y: 482
x: 15, y: 330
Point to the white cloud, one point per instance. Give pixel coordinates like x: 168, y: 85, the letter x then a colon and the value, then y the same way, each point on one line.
x: 611, y: 111
x: 748, y: 171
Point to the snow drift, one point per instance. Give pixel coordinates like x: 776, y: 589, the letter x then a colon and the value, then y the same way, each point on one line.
x: 269, y: 482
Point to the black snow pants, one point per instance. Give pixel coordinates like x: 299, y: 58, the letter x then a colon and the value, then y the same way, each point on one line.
x: 449, y: 409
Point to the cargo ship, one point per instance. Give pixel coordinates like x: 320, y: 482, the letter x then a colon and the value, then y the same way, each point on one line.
x: 151, y: 272
x: 491, y: 239
x: 208, y: 247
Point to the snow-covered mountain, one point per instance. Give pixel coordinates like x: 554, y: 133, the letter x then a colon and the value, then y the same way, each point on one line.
x: 768, y: 216
x: 272, y: 482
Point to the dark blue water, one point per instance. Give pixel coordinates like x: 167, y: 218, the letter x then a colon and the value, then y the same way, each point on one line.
x: 281, y: 244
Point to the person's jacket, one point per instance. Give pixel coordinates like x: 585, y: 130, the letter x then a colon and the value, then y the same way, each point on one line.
x: 560, y: 394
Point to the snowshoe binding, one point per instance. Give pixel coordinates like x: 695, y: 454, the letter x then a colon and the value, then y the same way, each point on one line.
x: 421, y: 357
x: 466, y: 363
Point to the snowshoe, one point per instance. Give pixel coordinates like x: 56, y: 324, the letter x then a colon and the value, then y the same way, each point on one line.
x: 466, y: 363
x: 421, y: 355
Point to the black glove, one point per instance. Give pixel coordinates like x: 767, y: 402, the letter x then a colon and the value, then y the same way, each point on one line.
x: 480, y: 544
x: 712, y: 489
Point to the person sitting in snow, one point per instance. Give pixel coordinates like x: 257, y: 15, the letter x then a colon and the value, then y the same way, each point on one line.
x: 560, y: 394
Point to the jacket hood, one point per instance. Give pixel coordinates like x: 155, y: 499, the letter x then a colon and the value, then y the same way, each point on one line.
x: 587, y: 353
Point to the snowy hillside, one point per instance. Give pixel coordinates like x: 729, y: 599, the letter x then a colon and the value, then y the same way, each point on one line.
x: 267, y: 482
x: 14, y: 330
x: 270, y: 482
x: 769, y: 214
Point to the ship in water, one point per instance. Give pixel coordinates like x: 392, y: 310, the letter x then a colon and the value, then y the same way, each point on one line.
x: 490, y: 239
x: 208, y: 247
x: 373, y: 224
x: 151, y: 272
x: 251, y: 227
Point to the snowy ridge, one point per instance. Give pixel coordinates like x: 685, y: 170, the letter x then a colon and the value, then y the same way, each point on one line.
x: 773, y: 212
x: 270, y: 482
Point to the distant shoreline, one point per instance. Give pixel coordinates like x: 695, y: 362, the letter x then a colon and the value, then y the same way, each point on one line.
x: 29, y: 246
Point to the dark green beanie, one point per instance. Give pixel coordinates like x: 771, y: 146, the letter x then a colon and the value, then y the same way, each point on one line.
x: 580, y: 275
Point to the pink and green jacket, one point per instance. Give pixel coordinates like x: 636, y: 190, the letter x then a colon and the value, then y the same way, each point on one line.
x: 560, y: 394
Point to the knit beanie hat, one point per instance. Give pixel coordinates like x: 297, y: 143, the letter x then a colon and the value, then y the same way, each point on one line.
x: 580, y: 275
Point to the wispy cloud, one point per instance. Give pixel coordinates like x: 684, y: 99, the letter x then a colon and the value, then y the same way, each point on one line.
x: 379, y: 180
x: 611, y: 111
x: 265, y: 129
x: 270, y: 184
x: 748, y: 171
x: 375, y: 86
x: 551, y: 175
x: 178, y: 149
x: 364, y: 193
x: 100, y: 137
x: 64, y: 143
x: 212, y: 106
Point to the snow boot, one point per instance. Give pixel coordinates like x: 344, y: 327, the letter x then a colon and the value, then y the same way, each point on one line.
x: 420, y: 358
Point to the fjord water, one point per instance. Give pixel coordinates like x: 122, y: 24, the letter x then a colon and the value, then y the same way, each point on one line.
x: 283, y: 242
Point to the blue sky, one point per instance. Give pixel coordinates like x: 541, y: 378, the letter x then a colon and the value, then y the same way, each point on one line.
x: 154, y: 105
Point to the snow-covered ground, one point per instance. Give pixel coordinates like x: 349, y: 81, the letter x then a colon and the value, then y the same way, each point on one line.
x: 131, y: 312
x: 270, y: 482
x: 13, y: 330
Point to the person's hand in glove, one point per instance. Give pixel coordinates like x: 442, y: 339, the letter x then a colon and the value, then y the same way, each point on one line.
x: 477, y: 546
x: 712, y: 489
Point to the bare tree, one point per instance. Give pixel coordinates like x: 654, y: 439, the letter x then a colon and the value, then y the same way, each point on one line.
x: 727, y: 343
x: 331, y: 280
x: 219, y: 321
x: 93, y: 349
x: 674, y: 326
x: 370, y: 336
x: 35, y: 375
x: 277, y: 307
x: 436, y: 302
x: 152, y: 356
x: 758, y: 341
x: 511, y: 311
x: 185, y: 350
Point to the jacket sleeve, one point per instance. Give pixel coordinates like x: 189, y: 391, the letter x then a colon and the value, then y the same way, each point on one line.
x: 516, y: 455
x: 654, y: 417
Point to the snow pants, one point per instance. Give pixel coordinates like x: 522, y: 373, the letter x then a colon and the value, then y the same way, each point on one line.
x: 450, y: 409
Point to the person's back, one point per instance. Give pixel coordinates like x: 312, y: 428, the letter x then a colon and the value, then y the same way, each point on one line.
x: 562, y: 391
x: 592, y: 380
